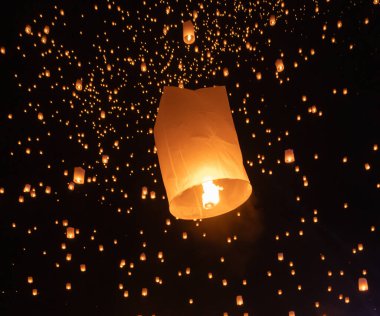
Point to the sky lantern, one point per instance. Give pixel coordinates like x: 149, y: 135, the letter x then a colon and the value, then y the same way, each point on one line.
x: 103, y: 114
x: 272, y: 20
x: 79, y: 85
x: 79, y: 173
x: 143, y: 67
x: 225, y: 72
x: 188, y: 32
x: 105, y: 159
x: 239, y: 300
x: 363, y: 285
x: 279, y: 65
x: 70, y: 232
x: 289, y: 156
x: 292, y: 313
x: 199, y: 153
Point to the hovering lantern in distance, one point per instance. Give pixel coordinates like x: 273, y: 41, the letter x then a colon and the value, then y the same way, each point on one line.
x: 199, y: 153
x: 70, y: 232
x: 239, y: 300
x: 272, y: 20
x: 363, y: 285
x: 79, y: 85
x: 289, y: 156
x: 279, y: 65
x: 79, y: 175
x: 143, y: 67
x: 188, y: 32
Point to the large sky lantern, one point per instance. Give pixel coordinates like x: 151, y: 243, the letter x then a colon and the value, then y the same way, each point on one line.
x: 199, y: 153
x: 188, y: 32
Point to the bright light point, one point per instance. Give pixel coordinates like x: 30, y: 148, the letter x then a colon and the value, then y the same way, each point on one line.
x: 189, y: 37
x: 210, y: 196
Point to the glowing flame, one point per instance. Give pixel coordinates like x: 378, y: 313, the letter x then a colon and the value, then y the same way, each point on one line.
x: 189, y: 37
x: 210, y: 196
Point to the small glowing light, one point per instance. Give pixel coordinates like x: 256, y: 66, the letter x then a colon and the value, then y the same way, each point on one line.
x: 210, y: 196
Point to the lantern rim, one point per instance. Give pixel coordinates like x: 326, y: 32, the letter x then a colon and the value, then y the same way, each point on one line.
x: 187, y: 204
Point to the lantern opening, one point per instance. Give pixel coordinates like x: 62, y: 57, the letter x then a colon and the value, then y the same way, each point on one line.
x: 210, y: 195
x: 189, y: 37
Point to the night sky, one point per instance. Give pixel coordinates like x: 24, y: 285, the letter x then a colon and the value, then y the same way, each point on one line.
x: 73, y: 91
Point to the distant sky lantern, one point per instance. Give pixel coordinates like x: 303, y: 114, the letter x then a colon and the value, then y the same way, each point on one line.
x: 70, y: 232
x: 103, y: 114
x: 258, y: 76
x: 363, y: 285
x: 105, y: 159
x: 279, y: 65
x: 225, y: 72
x: 272, y: 20
x: 143, y: 67
x: 79, y: 85
x: 199, y: 153
x: 291, y: 313
x: 239, y: 300
x: 79, y: 173
x: 71, y: 186
x: 188, y: 32
x: 28, y: 29
x: 289, y: 156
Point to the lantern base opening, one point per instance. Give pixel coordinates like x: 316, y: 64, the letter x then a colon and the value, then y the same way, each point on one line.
x: 190, y: 205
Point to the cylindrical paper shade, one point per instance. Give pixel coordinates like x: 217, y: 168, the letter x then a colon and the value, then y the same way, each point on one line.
x: 196, y: 142
x: 188, y: 32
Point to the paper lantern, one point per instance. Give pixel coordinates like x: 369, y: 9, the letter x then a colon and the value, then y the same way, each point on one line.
x: 78, y: 175
x: 239, y: 300
x: 289, y: 156
x: 79, y: 85
x: 83, y: 268
x: 188, y: 32
x: 272, y: 20
x: 279, y: 65
x: 292, y: 313
x: 70, y: 232
x: 27, y: 188
x: 199, y: 153
x: 363, y: 285
x: 144, y: 292
x: 143, y: 67
x: 225, y: 72
x: 102, y: 114
x: 105, y: 159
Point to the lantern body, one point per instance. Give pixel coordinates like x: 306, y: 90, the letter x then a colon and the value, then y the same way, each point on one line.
x: 188, y: 32
x: 198, y: 148
x: 289, y: 156
x: 239, y: 300
x: 279, y: 65
x: 79, y: 85
x: 79, y: 175
x: 272, y: 20
x: 70, y: 232
x: 363, y: 285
